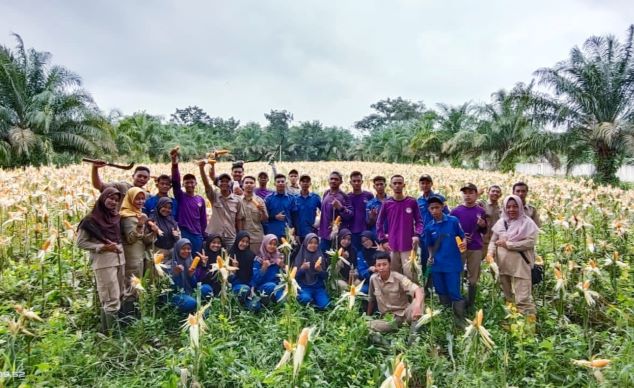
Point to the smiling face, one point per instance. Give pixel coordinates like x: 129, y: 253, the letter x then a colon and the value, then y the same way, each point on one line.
x: 139, y: 200
x: 244, y: 242
x: 425, y: 186
x: 140, y: 178
x: 366, y: 242
x: 346, y: 241
x: 224, y: 184
x: 215, y: 244
x: 112, y: 201
x: 263, y: 180
x: 494, y: 194
x: 237, y: 173
x: 312, y: 245
x: 166, y: 210
x: 190, y: 186
x: 271, y: 247
x: 280, y: 185
x: 512, y: 209
x: 185, y: 252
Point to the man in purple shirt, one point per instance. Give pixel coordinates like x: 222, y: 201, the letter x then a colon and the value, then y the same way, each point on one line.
x: 473, y: 221
x: 358, y: 200
x: 334, y: 204
x: 263, y: 180
x: 399, y: 226
x: 192, y: 210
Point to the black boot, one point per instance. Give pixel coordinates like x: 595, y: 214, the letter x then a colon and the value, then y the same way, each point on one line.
x: 458, y: 311
x: 445, y: 300
x: 473, y: 289
x: 108, y: 321
x: 128, y: 312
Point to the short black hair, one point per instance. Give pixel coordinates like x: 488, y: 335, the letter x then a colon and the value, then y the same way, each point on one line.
x: 237, y: 164
x: 249, y: 177
x: 293, y: 171
x: 164, y: 177
x: 189, y: 177
x: 304, y: 177
x: 397, y: 176
x: 379, y: 178
x: 495, y: 187
x: 141, y: 168
x: 356, y: 173
x: 278, y: 176
x: 337, y: 173
x: 381, y: 255
x: 520, y: 183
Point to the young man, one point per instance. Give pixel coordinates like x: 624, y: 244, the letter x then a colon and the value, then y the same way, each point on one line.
x: 444, y: 256
x: 227, y: 216
x: 373, y: 206
x: 390, y: 290
x: 280, y: 207
x: 334, y: 204
x: 493, y: 211
x: 521, y: 190
x: 254, y: 213
x: 237, y: 172
x: 359, y: 199
x: 399, y: 227
x: 192, y: 211
x: 293, y: 187
x: 263, y: 180
x: 140, y: 177
x: 473, y: 221
x: 307, y: 205
x: 425, y: 184
x: 163, y: 184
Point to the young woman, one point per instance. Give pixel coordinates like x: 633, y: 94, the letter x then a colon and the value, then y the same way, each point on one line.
x: 163, y: 219
x: 513, y: 247
x: 243, y: 258
x: 348, y: 269
x: 184, y: 278
x: 100, y: 234
x: 138, y: 237
x: 266, y: 266
x: 311, y: 273
x: 212, y: 248
x: 366, y: 258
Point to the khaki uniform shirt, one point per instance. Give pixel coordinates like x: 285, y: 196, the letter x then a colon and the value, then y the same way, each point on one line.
x: 99, y: 259
x: 531, y: 211
x: 252, y: 217
x: 225, y: 211
x: 391, y: 294
x: 509, y: 260
x: 494, y: 212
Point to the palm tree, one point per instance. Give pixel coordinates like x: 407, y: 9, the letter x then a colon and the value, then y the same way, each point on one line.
x: 44, y: 110
x: 593, y: 101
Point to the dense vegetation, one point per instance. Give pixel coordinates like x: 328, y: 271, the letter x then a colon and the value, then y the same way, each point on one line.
x: 580, y: 110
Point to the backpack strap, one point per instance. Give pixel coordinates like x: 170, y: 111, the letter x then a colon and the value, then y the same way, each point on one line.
x: 506, y: 227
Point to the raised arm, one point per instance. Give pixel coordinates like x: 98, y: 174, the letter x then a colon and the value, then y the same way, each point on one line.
x: 94, y: 175
x: 203, y: 175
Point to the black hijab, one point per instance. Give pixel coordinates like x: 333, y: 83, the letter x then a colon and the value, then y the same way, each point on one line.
x: 352, y: 255
x: 245, y: 258
x: 309, y: 276
x: 212, y: 255
x: 102, y: 223
x: 369, y: 253
x: 165, y: 224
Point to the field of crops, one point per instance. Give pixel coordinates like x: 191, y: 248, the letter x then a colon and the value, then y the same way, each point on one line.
x: 49, y: 327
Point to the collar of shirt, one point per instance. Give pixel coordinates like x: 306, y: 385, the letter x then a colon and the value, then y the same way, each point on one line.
x: 443, y: 219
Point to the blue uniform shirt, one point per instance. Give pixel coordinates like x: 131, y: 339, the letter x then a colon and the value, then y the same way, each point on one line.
x: 447, y: 257
x: 374, y: 203
x: 150, y: 205
x: 306, y: 213
x: 422, y: 206
x: 276, y: 203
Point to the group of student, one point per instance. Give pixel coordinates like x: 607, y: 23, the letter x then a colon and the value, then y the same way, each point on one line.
x: 376, y: 238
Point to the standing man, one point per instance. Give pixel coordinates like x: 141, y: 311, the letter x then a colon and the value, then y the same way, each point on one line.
x: 359, y: 198
x: 389, y: 291
x: 280, y: 207
x: 254, y: 214
x: 263, y: 180
x: 293, y: 187
x: 521, y: 190
x: 227, y: 215
x: 140, y: 177
x: 334, y: 203
x: 373, y: 206
x: 473, y: 222
x: 425, y: 184
x: 237, y: 172
x: 493, y: 212
x: 307, y: 206
x: 163, y: 184
x: 192, y: 211
x: 399, y: 227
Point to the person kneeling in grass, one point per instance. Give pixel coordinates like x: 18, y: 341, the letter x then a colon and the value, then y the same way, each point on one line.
x: 243, y: 258
x: 444, y: 256
x: 266, y: 266
x: 348, y: 263
x: 389, y: 290
x: 184, y: 279
x: 311, y: 273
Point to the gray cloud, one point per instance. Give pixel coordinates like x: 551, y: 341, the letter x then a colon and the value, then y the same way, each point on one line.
x: 320, y: 60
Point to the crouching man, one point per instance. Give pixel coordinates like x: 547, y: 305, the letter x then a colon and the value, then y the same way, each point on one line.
x: 389, y: 291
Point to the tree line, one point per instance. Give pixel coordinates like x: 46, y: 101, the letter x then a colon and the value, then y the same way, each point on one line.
x: 580, y: 110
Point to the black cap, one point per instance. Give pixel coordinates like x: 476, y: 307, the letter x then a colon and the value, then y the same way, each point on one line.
x: 222, y: 176
x: 303, y: 177
x: 263, y: 173
x: 434, y: 199
x: 469, y: 186
x: 425, y: 177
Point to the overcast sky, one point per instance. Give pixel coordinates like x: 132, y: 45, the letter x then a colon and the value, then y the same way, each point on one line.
x: 321, y: 60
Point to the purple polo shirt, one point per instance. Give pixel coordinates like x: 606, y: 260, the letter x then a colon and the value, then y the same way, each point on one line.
x: 468, y: 217
x: 329, y: 213
x: 263, y: 193
x: 400, y: 221
x: 358, y: 201
x: 192, y: 210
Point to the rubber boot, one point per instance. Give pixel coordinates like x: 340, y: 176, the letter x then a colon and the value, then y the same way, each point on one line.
x: 445, y: 300
x: 473, y: 289
x: 459, y: 313
x: 108, y: 321
x: 128, y: 311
